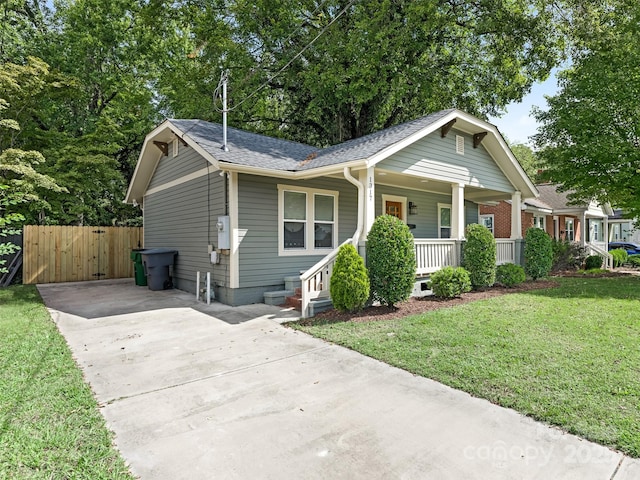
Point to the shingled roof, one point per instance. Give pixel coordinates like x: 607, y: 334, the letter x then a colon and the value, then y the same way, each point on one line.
x: 254, y: 150
x: 245, y: 148
x: 557, y: 200
x: 262, y: 155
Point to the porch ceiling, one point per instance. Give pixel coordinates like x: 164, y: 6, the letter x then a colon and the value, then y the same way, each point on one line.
x: 475, y: 194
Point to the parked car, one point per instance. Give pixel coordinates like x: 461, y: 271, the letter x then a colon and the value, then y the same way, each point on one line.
x: 630, y: 247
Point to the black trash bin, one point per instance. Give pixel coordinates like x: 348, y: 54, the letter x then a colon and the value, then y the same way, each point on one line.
x: 156, y: 263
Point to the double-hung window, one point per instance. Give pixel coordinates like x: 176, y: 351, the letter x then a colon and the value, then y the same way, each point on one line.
x: 596, y: 230
x: 487, y: 221
x: 308, y: 220
x: 568, y: 227
x: 538, y: 221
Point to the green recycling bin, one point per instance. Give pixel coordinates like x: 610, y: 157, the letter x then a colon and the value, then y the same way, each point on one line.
x: 138, y: 267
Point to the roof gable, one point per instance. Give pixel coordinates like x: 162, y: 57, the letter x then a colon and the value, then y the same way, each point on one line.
x: 265, y: 155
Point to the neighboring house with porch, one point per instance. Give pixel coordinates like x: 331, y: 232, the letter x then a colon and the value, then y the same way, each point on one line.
x: 265, y: 209
x: 622, y: 228
x: 586, y: 224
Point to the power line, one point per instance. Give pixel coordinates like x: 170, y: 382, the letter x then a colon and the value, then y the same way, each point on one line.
x: 252, y: 94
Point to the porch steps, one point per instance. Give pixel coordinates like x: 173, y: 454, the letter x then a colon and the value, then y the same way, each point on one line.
x: 278, y: 297
x: 291, y: 296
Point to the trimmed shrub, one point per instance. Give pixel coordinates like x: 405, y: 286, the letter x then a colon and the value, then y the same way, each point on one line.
x: 391, y: 260
x: 480, y: 256
x: 567, y: 255
x: 349, y: 281
x: 538, y: 253
x: 450, y: 282
x: 634, y: 260
x: 593, y: 261
x: 620, y: 256
x: 510, y: 275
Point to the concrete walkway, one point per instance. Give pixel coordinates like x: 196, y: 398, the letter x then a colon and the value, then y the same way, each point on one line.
x: 199, y: 392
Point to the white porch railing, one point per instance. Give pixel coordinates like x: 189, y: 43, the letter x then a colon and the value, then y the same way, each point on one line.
x: 600, y: 248
x: 315, y: 281
x: 433, y: 254
x: 505, y: 251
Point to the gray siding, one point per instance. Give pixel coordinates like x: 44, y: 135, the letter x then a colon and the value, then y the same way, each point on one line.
x: 258, y: 215
x: 426, y: 220
x: 436, y: 158
x: 177, y: 218
x: 171, y: 168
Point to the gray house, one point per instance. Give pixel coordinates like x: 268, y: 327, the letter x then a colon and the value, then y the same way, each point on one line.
x: 265, y: 209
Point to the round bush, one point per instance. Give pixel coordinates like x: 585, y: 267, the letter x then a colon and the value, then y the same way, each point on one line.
x: 634, y: 260
x: 480, y: 256
x: 391, y: 260
x: 593, y: 261
x: 510, y: 275
x: 620, y: 256
x: 538, y: 253
x: 450, y: 282
x: 567, y: 255
x: 349, y: 286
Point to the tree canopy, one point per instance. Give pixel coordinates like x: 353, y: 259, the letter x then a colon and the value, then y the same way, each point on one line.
x: 87, y: 79
x: 590, y: 135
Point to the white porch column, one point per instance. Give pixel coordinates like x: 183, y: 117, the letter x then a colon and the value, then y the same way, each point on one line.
x: 584, y: 232
x: 605, y: 232
x: 457, y: 211
x: 516, y: 216
x: 367, y: 178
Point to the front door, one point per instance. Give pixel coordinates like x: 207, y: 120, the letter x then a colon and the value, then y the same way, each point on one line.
x: 393, y: 208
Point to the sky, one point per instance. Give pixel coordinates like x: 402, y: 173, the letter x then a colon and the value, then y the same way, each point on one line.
x: 518, y: 124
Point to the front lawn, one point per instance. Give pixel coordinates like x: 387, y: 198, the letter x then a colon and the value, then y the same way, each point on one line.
x: 569, y: 356
x: 50, y: 425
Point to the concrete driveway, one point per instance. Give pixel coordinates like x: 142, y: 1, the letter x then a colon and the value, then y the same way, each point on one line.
x: 199, y: 392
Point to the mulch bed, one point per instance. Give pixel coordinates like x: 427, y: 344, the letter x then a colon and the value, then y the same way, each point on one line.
x: 415, y: 306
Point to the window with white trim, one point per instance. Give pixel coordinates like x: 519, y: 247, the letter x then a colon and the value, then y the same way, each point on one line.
x: 538, y: 221
x: 487, y: 221
x: 568, y: 230
x: 444, y: 221
x: 595, y: 233
x: 307, y: 220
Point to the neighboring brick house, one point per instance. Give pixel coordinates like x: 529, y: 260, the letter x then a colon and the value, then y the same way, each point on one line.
x: 552, y: 212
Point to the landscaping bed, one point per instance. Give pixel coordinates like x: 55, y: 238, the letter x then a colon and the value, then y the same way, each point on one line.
x: 416, y: 305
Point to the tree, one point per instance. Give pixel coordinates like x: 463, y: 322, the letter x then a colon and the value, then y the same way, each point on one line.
x: 20, y: 183
x: 590, y: 136
x: 22, y: 22
x: 89, y: 114
x: 528, y: 160
x: 361, y: 66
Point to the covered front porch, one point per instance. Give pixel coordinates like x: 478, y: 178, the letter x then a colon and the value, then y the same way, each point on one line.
x: 436, y: 212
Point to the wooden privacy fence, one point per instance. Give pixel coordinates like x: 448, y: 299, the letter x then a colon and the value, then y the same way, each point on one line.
x: 73, y: 254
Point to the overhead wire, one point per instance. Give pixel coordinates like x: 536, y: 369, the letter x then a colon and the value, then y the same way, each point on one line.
x: 224, y: 74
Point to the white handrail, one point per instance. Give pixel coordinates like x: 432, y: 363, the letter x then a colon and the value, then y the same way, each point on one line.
x: 315, y: 281
x: 608, y: 258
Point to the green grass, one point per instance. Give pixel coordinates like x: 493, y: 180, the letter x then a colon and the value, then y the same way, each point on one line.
x: 568, y: 356
x: 50, y: 426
